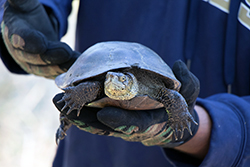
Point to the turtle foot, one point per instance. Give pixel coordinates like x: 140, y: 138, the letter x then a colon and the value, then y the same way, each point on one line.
x: 64, y: 126
x: 76, y: 97
x: 71, y: 102
x: 181, y: 122
x: 179, y: 117
x: 60, y: 134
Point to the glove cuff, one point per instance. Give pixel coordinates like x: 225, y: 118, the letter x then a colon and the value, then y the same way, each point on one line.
x: 187, y: 136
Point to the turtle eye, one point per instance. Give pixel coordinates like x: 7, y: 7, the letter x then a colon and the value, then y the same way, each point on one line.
x: 122, y: 78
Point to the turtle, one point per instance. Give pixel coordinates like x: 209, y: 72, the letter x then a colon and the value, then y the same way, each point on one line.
x: 123, y: 74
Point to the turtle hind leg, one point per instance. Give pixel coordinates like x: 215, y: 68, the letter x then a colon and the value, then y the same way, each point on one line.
x: 76, y: 97
x: 178, y: 113
x: 64, y: 126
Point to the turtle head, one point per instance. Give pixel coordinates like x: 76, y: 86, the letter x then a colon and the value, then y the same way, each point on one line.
x: 120, y: 86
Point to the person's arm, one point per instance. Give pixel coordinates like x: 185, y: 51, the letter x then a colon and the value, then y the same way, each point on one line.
x: 198, y: 145
x: 30, y: 34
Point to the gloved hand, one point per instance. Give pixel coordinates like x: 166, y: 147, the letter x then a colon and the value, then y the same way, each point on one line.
x: 31, y: 37
x: 148, y: 127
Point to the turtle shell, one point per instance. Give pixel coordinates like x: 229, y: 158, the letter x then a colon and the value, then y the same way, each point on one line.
x: 105, y: 56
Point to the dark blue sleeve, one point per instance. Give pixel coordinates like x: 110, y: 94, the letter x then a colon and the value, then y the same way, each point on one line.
x: 229, y: 140
x: 1, y: 9
x: 61, y: 9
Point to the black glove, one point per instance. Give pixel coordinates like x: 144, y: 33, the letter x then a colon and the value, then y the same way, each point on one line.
x: 148, y: 127
x: 31, y: 37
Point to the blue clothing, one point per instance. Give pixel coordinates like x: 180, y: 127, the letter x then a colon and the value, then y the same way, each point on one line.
x: 213, y: 37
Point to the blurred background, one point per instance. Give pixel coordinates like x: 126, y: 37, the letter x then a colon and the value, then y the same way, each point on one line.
x: 28, y: 118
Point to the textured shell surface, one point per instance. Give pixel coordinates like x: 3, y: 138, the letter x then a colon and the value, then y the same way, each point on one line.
x: 106, y: 56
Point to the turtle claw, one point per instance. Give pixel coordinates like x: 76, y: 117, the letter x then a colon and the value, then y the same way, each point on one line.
x: 60, y: 101
x: 60, y: 134
x: 78, y: 112
x: 176, y: 133
x: 69, y: 111
x: 189, y: 128
x: 182, y: 132
x: 71, y: 108
x: 64, y: 107
x: 178, y: 129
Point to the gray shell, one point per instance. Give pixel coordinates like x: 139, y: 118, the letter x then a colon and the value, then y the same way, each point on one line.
x: 106, y: 56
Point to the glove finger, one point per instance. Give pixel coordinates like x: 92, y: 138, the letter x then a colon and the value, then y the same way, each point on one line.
x: 48, y: 71
x: 122, y: 120
x: 51, y: 52
x: 190, y: 84
x: 23, y: 38
x: 18, y: 54
x: 58, y: 53
x: 66, y: 65
x: 24, y: 5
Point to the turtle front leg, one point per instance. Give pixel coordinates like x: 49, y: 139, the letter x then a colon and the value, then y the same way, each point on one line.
x: 177, y: 109
x: 76, y: 97
x: 65, y: 124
